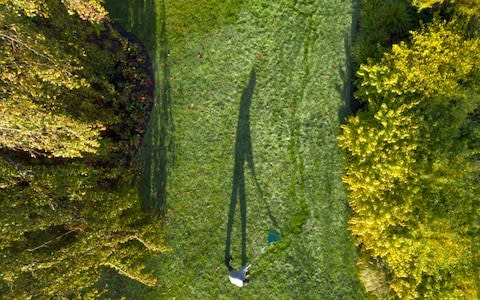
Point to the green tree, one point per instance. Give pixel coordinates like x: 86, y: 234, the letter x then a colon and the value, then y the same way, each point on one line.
x: 382, y: 23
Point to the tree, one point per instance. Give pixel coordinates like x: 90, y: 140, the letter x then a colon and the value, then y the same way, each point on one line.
x: 70, y: 209
x: 60, y: 229
x: 439, y: 61
x: 89, y: 10
x: 466, y: 7
x: 38, y: 75
x: 412, y: 171
x: 382, y: 23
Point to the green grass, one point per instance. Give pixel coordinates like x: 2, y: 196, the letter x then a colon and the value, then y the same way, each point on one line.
x: 296, y: 49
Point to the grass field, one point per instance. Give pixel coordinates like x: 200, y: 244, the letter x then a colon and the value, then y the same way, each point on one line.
x: 251, y: 95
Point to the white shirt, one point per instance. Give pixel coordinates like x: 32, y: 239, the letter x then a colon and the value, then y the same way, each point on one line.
x: 238, y: 277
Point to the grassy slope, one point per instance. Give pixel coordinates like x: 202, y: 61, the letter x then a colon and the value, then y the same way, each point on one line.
x: 297, y: 52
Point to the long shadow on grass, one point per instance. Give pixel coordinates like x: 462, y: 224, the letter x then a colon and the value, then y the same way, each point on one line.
x: 243, y: 155
x: 346, y: 89
x: 158, y: 148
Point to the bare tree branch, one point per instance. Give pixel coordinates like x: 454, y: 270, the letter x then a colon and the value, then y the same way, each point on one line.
x: 53, y: 240
x: 20, y: 42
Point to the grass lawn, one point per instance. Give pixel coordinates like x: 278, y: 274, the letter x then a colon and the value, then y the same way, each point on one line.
x: 256, y: 93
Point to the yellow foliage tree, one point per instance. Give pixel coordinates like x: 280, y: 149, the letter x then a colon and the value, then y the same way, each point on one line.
x: 467, y: 7
x: 64, y: 223
x: 37, y: 75
x: 438, y: 61
x: 412, y: 174
x: 89, y: 10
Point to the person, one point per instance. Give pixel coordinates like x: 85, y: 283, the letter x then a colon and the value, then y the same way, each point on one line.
x: 238, y: 277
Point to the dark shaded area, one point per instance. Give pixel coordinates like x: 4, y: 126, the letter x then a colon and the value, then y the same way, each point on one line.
x: 158, y: 147
x: 11, y: 159
x: 157, y: 150
x: 135, y: 19
x: 46, y: 241
x: 380, y: 25
x: 125, y: 288
x: 351, y: 105
x: 243, y: 155
x: 133, y: 76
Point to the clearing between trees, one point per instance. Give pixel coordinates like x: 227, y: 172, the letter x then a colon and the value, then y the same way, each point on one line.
x: 254, y: 94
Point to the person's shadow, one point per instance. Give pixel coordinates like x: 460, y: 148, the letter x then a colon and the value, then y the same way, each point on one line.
x: 243, y: 154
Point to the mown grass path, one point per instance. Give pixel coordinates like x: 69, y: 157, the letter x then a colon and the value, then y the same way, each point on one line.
x: 274, y: 153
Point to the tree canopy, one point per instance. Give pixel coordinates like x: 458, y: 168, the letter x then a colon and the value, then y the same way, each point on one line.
x: 41, y: 75
x: 466, y: 7
x: 413, y: 166
x: 72, y: 104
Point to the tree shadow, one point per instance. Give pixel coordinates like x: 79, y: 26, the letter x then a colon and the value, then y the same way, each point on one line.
x: 346, y: 89
x: 158, y: 149
x: 243, y: 155
x: 138, y: 20
x: 113, y: 286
